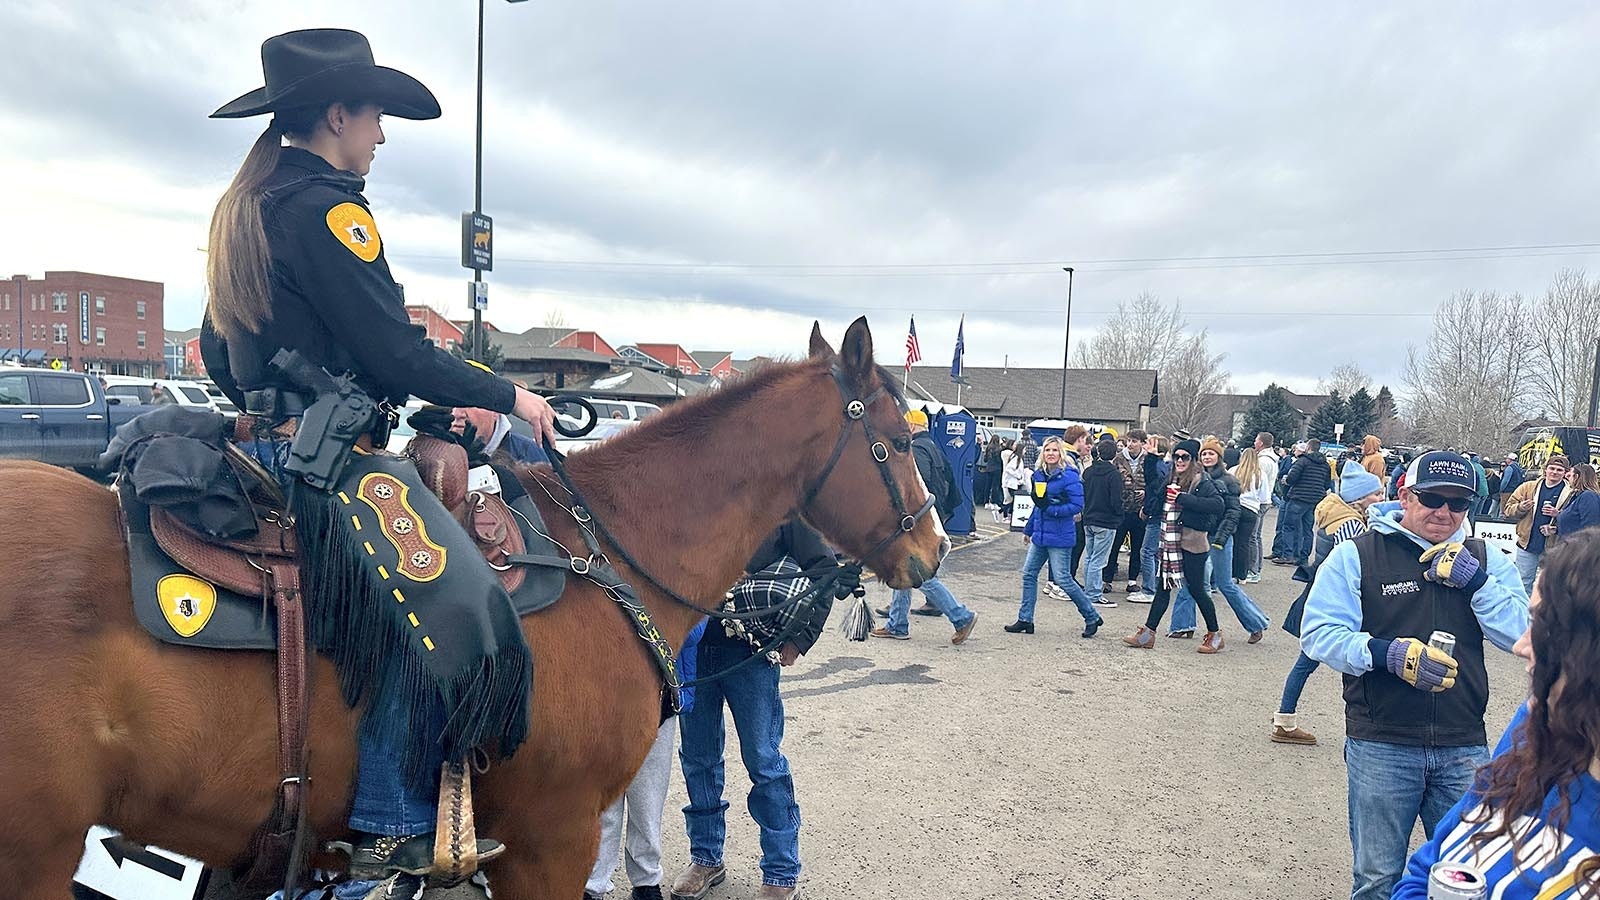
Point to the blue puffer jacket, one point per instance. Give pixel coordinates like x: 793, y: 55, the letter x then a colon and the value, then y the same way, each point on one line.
x: 1057, y: 500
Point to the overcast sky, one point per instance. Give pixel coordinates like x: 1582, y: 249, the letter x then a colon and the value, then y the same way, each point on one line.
x: 718, y: 174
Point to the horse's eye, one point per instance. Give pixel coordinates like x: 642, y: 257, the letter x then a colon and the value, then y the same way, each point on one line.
x: 903, y: 443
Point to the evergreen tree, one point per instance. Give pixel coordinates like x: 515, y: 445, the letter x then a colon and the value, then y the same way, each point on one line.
x: 1362, y: 417
x: 1271, y: 412
x: 492, y: 354
x: 1387, y: 415
x: 1333, y: 410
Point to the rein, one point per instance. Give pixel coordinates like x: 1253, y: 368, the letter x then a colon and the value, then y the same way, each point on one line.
x: 597, y: 566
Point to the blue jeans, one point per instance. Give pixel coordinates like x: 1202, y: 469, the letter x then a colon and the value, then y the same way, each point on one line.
x: 1391, y: 786
x: 1295, y: 684
x: 1528, y: 567
x: 1219, y: 574
x: 1297, y: 540
x: 1148, y: 551
x: 937, y: 594
x: 751, y: 694
x: 1060, y: 559
x: 1280, y: 532
x: 1096, y: 551
x: 387, y: 802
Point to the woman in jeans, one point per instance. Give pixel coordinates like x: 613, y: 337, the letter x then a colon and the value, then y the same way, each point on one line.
x: 1192, y: 510
x: 1255, y: 494
x: 1339, y: 517
x: 1530, y: 825
x: 1050, y: 536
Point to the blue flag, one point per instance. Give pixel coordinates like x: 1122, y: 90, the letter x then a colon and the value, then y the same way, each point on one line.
x: 958, y: 363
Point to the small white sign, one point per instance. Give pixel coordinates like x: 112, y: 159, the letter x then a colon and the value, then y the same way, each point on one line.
x: 121, y: 872
x: 478, y: 294
x: 1021, y: 509
x: 1497, y: 534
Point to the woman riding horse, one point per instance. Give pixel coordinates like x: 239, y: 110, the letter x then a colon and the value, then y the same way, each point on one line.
x: 297, y: 263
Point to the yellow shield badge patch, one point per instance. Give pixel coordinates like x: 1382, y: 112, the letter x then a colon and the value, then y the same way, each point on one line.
x: 354, y: 227
x: 187, y: 602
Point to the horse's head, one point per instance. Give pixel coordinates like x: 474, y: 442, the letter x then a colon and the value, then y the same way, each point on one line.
x: 867, y: 496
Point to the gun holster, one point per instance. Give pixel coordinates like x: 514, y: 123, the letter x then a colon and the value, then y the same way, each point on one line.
x: 329, y: 428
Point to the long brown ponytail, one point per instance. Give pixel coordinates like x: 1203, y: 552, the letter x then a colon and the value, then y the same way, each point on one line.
x: 237, y: 264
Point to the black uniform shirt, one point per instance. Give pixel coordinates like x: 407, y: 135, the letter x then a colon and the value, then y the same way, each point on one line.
x: 334, y: 300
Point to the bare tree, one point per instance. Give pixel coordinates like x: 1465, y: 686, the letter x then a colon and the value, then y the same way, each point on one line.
x: 1346, y: 378
x: 1142, y: 334
x: 1565, y: 327
x: 1189, y: 385
x: 1146, y: 333
x: 1464, y: 386
x: 555, y: 317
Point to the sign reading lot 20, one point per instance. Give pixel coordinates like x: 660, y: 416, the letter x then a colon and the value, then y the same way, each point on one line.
x: 113, y: 869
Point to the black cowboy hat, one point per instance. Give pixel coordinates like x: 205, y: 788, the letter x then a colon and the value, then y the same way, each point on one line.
x: 324, y: 65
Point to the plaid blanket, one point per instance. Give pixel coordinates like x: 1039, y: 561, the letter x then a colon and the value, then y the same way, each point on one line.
x: 768, y: 588
x: 1171, y: 546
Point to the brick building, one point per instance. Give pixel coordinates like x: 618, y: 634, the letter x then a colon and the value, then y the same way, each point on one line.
x: 91, y: 323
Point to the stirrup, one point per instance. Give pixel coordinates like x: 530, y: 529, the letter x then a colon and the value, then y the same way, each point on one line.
x: 377, y: 857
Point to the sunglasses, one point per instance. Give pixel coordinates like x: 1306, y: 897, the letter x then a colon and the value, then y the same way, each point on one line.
x: 1180, y: 456
x: 1434, y: 501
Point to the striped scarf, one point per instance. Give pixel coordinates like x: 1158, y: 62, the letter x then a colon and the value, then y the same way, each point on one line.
x: 1171, y: 547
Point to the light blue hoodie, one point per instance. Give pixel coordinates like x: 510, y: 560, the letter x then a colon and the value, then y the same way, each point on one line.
x: 1331, y: 632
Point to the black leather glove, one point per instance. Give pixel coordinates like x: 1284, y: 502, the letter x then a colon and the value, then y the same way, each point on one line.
x: 433, y: 421
x: 848, y: 581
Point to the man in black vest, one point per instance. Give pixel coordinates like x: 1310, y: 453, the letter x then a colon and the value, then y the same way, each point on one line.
x: 1413, y: 713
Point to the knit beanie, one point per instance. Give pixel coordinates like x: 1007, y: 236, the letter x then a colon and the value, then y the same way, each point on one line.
x: 1214, y: 446
x: 1189, y: 446
x: 1356, y: 482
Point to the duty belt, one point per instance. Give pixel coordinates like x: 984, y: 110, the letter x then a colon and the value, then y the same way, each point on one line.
x: 276, y: 404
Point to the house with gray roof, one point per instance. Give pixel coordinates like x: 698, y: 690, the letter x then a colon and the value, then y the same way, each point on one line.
x: 1011, y: 396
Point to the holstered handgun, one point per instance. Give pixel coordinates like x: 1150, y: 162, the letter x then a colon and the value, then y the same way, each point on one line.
x: 341, y: 414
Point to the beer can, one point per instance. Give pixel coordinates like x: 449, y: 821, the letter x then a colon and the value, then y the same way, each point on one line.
x: 1443, y: 640
x: 1454, y: 881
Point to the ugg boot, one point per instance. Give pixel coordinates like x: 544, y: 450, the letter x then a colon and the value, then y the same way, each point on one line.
x: 1285, y: 731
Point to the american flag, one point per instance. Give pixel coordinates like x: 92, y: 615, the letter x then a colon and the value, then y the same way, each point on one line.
x: 913, y: 349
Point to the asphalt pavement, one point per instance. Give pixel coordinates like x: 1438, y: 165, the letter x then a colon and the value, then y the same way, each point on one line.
x: 1048, y: 765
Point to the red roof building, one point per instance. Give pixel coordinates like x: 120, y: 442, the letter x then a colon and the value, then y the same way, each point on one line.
x: 672, y: 356
x: 442, y: 331
x: 587, y: 340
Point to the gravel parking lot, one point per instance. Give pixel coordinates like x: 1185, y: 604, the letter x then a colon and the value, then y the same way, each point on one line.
x: 1053, y: 766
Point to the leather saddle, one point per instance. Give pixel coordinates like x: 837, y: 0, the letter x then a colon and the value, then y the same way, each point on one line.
x: 195, y: 590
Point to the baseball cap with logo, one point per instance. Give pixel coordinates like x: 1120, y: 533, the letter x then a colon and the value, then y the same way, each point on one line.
x: 1441, y: 468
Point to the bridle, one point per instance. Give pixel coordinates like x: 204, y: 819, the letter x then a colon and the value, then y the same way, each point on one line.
x: 597, y: 567
x: 855, y: 410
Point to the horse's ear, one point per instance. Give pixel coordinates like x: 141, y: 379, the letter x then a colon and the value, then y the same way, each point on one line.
x: 820, y: 348
x: 856, y: 352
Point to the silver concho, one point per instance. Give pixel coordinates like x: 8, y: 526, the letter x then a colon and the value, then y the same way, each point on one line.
x: 421, y: 559
x: 382, y: 491
x: 855, y: 409
x: 402, y: 525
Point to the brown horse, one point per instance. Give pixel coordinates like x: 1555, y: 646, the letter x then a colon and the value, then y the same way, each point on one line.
x: 99, y: 723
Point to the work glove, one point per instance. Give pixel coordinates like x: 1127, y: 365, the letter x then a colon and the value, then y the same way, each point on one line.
x: 1421, y: 666
x: 1450, y: 563
x: 848, y: 581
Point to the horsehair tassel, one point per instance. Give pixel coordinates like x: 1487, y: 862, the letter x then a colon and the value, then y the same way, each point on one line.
x: 857, y: 623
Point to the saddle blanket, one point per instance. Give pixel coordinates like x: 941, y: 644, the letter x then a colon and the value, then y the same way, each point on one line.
x: 180, y: 607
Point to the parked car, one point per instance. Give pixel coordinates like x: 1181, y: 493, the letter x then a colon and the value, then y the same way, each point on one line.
x: 631, y: 410
x: 62, y: 418
x: 150, y: 391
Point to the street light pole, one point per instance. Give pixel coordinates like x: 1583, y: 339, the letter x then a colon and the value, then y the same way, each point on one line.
x: 1594, y: 386
x: 1066, y: 352
x: 477, y: 189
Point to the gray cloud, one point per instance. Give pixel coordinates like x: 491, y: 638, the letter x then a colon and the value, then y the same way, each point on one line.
x: 839, y: 133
